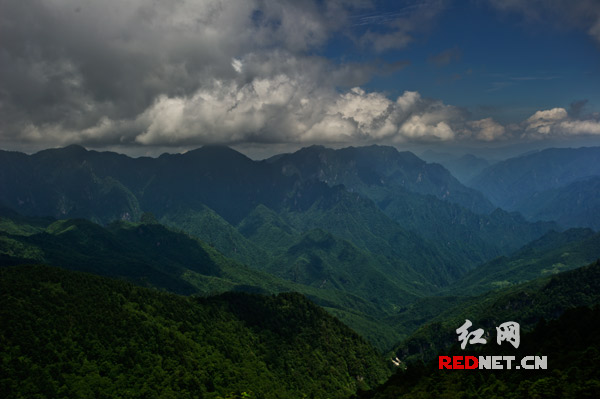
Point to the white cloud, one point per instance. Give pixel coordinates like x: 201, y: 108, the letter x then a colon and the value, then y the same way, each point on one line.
x: 543, y: 121
x: 237, y: 65
x: 294, y: 109
x: 70, y: 63
x: 417, y: 127
x: 487, y: 129
x: 287, y: 109
x: 281, y: 109
x: 576, y: 127
x: 408, y: 100
x: 557, y: 123
x: 186, y: 73
x: 553, y: 114
x: 368, y: 111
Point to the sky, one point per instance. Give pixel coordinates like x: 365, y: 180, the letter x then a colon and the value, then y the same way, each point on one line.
x: 145, y: 76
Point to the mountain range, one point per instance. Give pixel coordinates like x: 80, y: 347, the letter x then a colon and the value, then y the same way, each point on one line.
x: 372, y: 222
x: 398, y: 189
x: 396, y: 248
x: 558, y: 184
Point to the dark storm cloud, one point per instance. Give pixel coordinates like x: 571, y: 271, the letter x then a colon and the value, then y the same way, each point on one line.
x: 173, y: 73
x: 71, y: 65
x: 105, y: 58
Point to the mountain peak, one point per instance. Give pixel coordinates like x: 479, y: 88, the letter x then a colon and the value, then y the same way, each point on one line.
x: 313, y: 149
x: 72, y: 149
x: 215, y: 150
x: 68, y: 151
x: 210, y: 156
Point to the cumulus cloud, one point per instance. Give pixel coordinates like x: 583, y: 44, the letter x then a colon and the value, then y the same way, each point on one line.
x: 186, y: 73
x: 409, y: 118
x: 556, y: 122
x: 571, y: 127
x: 133, y: 72
x: 487, y: 129
x: 283, y: 109
x: 542, y: 121
x: 73, y: 63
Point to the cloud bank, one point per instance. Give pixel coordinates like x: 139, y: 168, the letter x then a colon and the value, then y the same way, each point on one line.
x: 187, y: 73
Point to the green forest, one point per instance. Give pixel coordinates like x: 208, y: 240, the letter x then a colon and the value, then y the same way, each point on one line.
x: 73, y: 335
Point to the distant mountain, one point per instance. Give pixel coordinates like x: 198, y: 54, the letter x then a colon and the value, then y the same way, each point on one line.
x: 476, y: 237
x: 574, y: 205
x: 368, y: 170
x: 404, y: 254
x: 553, y: 253
x: 408, y: 190
x: 64, y: 183
x: 72, y: 182
x: 68, y: 334
x: 220, y: 178
x: 517, y: 180
x: 432, y: 156
x: 209, y: 191
x: 466, y: 167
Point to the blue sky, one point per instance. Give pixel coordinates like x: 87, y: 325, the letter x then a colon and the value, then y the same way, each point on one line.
x: 144, y: 77
x: 494, y: 63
